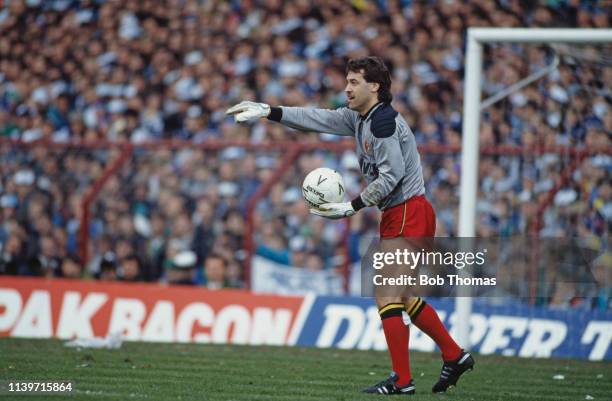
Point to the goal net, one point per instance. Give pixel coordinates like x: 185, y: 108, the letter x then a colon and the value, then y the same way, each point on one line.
x: 551, y: 112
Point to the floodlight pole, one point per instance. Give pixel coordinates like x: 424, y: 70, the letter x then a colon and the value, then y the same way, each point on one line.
x: 468, y: 190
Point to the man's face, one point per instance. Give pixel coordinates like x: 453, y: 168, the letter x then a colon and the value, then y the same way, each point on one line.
x: 70, y: 269
x: 130, y: 269
x: 359, y: 92
x: 215, y: 270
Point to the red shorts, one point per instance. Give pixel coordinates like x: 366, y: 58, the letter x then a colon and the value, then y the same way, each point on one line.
x: 413, y: 218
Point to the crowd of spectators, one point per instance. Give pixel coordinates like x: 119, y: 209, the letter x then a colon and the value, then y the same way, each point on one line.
x: 138, y: 71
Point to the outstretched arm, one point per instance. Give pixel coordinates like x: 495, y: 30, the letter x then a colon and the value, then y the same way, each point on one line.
x: 341, y: 121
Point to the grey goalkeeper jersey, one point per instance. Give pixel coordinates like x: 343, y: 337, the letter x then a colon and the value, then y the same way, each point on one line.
x: 386, y: 148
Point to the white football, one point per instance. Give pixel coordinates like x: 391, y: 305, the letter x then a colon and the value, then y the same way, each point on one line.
x: 323, y: 185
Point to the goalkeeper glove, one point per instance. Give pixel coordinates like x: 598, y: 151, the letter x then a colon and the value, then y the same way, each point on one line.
x: 246, y: 111
x: 334, y: 210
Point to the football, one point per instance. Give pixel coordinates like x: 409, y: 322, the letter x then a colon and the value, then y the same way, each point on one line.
x: 322, y: 185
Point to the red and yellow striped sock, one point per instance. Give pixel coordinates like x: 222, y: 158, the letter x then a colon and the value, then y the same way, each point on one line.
x: 425, y: 318
x: 397, y: 336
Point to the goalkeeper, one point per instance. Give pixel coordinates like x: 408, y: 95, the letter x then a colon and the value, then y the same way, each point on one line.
x: 390, y: 162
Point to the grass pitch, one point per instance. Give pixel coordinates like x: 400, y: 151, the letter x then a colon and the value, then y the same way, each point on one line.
x: 141, y: 371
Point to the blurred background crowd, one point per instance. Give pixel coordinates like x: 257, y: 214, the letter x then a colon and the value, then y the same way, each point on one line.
x: 141, y: 71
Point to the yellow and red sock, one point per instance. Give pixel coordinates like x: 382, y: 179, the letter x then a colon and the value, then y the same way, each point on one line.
x: 397, y: 336
x: 425, y: 318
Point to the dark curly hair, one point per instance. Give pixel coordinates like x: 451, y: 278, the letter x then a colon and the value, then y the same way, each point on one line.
x: 374, y: 70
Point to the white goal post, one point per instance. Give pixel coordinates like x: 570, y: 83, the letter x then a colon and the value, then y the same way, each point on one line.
x: 468, y: 190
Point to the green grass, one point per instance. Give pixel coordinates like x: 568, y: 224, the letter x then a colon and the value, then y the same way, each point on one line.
x: 141, y: 371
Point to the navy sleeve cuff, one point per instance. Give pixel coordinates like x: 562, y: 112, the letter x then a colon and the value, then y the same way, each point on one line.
x: 357, y: 203
x: 276, y: 114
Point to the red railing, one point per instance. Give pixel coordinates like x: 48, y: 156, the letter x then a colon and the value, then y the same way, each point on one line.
x: 347, y: 144
x: 92, y: 192
x: 249, y: 243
